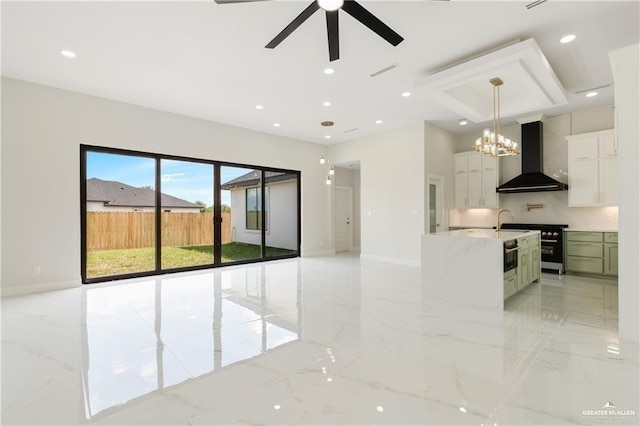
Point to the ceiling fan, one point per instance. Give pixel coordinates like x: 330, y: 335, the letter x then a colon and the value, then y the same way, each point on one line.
x: 331, y: 7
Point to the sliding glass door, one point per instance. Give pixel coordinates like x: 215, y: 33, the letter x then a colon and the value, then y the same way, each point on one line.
x: 187, y: 213
x: 281, y: 213
x: 119, y: 203
x: 145, y: 213
x: 241, y: 198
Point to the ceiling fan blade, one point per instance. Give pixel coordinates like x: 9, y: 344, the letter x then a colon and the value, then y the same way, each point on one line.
x: 354, y: 9
x: 236, y: 1
x: 333, y: 35
x: 293, y: 25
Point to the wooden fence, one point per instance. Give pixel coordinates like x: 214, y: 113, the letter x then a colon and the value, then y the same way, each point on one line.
x: 126, y: 230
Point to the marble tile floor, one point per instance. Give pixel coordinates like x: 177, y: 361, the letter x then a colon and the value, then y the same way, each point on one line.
x: 325, y: 341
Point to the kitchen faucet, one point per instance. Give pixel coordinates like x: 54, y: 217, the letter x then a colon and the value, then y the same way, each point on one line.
x: 499, y: 222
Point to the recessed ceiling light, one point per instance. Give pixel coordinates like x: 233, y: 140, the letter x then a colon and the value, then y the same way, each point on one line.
x: 406, y: 94
x: 259, y: 107
x: 380, y: 408
x: 568, y: 38
x: 378, y: 121
x: 276, y: 124
x: 463, y: 121
x: 327, y: 136
x: 326, y: 103
x: 329, y: 71
x: 591, y: 94
x: 68, y: 53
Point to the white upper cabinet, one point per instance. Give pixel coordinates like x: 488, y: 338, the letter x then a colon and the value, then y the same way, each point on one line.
x: 607, y: 145
x: 583, y: 148
x: 608, y: 181
x: 474, y: 162
x: 461, y: 189
x: 593, y: 169
x: 476, y: 179
x: 460, y: 163
x: 489, y: 163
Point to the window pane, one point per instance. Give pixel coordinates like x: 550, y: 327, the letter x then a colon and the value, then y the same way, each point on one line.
x: 187, y: 213
x: 120, y: 205
x: 253, y: 209
x: 281, y: 213
x: 241, y: 216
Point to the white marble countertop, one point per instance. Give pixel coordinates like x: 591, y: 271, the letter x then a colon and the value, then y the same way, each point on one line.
x: 488, y: 233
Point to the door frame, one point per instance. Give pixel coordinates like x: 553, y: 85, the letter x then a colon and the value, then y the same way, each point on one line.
x: 349, y: 191
x: 438, y: 181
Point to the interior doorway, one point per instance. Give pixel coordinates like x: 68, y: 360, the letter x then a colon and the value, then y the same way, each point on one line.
x: 435, y: 204
x: 343, y: 219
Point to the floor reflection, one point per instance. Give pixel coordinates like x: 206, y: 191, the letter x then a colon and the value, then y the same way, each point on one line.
x: 145, y: 336
x: 230, y: 347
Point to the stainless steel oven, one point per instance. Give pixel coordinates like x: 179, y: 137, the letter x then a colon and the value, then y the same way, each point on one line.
x: 510, y: 255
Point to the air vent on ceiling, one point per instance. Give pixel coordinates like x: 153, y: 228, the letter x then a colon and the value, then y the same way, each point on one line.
x: 351, y: 130
x: 383, y: 70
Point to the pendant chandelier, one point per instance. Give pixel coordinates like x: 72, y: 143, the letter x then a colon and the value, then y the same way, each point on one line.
x: 326, y: 132
x: 492, y: 142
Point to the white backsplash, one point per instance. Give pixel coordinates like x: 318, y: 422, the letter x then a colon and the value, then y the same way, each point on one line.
x: 555, y: 211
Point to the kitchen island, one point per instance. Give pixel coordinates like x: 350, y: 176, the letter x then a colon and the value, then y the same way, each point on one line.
x: 467, y: 266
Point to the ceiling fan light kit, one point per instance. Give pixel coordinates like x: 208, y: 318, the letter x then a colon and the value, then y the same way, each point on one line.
x: 330, y: 5
x: 331, y: 8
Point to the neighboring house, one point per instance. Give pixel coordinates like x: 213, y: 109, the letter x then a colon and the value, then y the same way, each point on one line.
x: 281, y: 213
x: 111, y: 196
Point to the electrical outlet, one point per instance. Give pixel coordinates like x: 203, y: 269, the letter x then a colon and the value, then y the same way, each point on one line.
x: 36, y: 269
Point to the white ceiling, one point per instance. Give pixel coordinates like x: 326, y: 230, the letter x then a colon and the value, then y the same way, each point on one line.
x: 208, y: 60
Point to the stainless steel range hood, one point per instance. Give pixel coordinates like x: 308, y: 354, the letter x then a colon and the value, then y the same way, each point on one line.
x: 532, y: 179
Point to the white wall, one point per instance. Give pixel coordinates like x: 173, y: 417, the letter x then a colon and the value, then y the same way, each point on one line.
x: 283, y: 216
x: 281, y: 221
x: 626, y: 69
x: 42, y: 130
x: 392, y: 191
x: 555, y: 164
x: 440, y: 146
x: 239, y: 232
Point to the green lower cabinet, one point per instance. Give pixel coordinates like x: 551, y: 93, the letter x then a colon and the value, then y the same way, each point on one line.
x: 523, y: 268
x: 528, y: 269
x: 593, y: 253
x: 584, y: 249
x: 611, y: 259
x: 534, y: 271
x: 510, y: 283
x: 587, y: 265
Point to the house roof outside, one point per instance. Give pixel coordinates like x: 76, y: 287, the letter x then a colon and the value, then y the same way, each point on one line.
x: 120, y: 194
x: 253, y: 178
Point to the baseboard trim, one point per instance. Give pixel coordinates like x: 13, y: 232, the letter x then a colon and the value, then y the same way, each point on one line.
x: 394, y: 260
x: 20, y: 290
x: 318, y: 253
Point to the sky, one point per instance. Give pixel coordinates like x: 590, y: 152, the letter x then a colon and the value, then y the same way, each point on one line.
x: 186, y: 180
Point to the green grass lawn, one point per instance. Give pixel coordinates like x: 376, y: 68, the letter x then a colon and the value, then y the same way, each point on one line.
x: 115, y: 262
